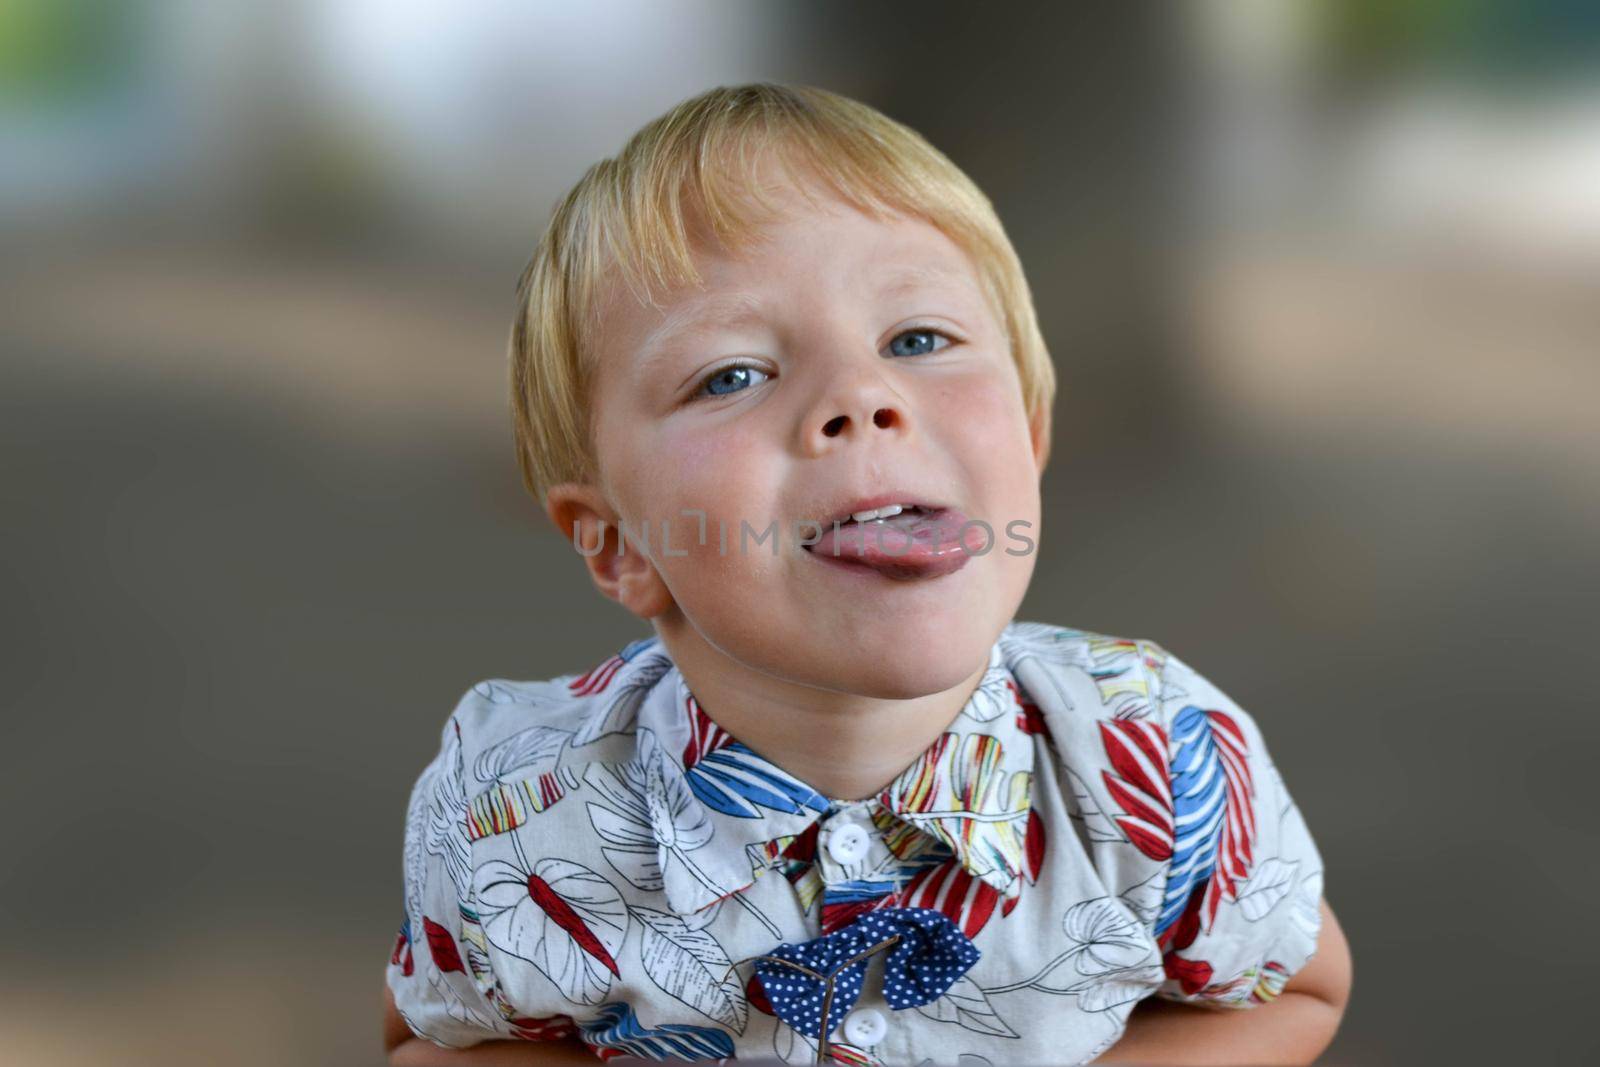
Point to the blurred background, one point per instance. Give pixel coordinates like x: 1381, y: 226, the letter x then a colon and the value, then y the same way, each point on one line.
x: 1322, y: 285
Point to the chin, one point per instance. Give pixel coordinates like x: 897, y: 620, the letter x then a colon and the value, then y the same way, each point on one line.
x: 907, y: 660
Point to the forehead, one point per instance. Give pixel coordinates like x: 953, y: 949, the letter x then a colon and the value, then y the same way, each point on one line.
x: 857, y: 248
x: 717, y: 306
x: 827, y: 245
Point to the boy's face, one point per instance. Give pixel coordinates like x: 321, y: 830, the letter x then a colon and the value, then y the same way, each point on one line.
x: 863, y: 378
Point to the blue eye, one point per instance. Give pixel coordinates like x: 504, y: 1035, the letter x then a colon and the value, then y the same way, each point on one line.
x: 922, y: 336
x: 731, y: 379
x: 736, y: 377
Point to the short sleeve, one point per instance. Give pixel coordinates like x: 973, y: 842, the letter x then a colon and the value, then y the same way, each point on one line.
x: 1240, y: 913
x: 439, y: 969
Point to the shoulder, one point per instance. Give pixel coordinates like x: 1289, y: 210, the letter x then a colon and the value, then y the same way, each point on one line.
x: 511, y: 748
x: 506, y: 728
x: 1097, y: 699
x: 1085, y: 674
x: 1139, y: 737
x: 1100, y: 675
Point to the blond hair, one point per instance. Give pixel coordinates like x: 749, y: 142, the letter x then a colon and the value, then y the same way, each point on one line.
x: 629, y: 213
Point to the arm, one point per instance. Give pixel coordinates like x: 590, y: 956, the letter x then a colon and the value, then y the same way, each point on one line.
x: 1295, y: 1028
x: 404, y: 1049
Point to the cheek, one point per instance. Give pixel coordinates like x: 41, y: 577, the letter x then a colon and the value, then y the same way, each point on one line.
x: 985, y: 415
x: 717, y: 472
x: 988, y: 428
x: 729, y: 477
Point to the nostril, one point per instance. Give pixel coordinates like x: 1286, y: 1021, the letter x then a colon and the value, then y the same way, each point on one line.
x: 883, y: 418
x: 834, y: 425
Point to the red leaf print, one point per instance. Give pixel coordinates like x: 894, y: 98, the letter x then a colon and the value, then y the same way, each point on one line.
x: 1130, y: 802
x: 442, y: 946
x: 400, y: 944
x: 705, y: 736
x: 1192, y: 975
x: 597, y: 677
x: 1148, y: 843
x: 409, y: 963
x: 948, y: 887
x: 839, y: 914
x: 1035, y: 846
x: 1030, y: 720
x: 849, y: 1055
x: 1141, y: 785
x: 1239, y: 825
x: 1225, y: 721
x: 545, y: 1028
x: 804, y: 846
x: 1125, y: 742
x: 568, y: 920
x: 1182, y: 933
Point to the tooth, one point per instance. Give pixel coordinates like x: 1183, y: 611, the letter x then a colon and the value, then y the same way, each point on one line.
x: 885, y: 512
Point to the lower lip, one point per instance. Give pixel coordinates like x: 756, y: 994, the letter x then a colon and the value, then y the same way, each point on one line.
x: 942, y: 546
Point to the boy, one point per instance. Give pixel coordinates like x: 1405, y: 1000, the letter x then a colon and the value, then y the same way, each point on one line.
x: 777, y: 374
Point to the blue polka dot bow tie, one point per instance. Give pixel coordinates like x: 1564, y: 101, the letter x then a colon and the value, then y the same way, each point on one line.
x: 930, y: 954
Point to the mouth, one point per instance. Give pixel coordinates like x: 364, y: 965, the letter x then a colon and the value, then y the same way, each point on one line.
x: 897, y: 537
x: 882, y: 514
x: 883, y: 506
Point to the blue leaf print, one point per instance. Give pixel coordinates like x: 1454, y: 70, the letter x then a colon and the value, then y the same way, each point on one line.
x: 734, y: 780
x: 1199, y: 801
x: 858, y: 889
x: 616, y: 1027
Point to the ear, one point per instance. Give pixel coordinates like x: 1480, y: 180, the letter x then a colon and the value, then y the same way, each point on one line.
x: 1039, y: 433
x: 619, y: 568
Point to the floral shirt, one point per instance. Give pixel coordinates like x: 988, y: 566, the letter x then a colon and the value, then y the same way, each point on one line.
x: 592, y: 856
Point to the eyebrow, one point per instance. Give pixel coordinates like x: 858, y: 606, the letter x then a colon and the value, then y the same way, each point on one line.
x: 910, y: 277
x: 730, y: 309
x: 733, y: 309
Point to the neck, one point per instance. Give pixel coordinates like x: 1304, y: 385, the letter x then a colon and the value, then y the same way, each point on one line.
x: 845, y: 745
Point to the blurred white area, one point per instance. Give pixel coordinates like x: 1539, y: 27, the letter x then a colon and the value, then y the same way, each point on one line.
x: 457, y: 118
x: 1249, y: 67
x: 1417, y: 256
x: 1417, y: 260
x: 1433, y: 231
x: 476, y: 100
x: 1516, y: 181
x: 257, y: 197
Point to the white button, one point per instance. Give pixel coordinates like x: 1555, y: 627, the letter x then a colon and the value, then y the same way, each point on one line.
x: 865, y: 1026
x: 847, y: 843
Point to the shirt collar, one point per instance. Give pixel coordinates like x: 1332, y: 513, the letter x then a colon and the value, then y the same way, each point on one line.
x: 720, y: 813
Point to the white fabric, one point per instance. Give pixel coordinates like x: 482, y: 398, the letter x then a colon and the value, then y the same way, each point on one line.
x: 593, y: 856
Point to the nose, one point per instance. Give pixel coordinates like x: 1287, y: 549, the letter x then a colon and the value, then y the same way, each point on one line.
x: 852, y: 409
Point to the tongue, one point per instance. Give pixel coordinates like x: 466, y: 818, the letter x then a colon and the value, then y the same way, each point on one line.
x: 909, y: 545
